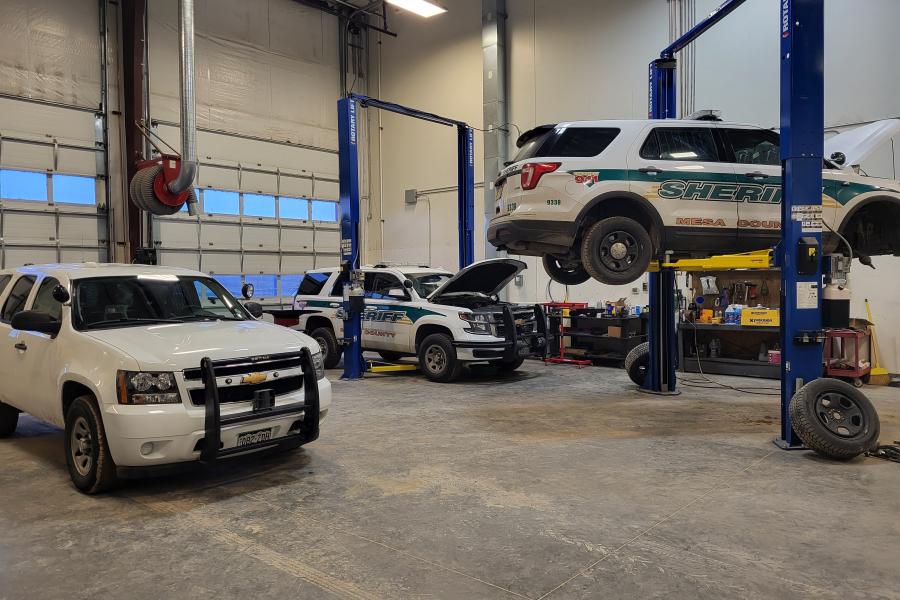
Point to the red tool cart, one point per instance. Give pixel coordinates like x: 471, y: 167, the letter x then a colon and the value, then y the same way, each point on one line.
x: 842, y: 355
x: 558, y: 313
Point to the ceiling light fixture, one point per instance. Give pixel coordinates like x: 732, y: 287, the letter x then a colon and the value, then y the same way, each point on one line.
x: 423, y: 8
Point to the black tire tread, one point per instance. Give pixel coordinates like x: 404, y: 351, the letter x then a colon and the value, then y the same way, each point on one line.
x: 334, y: 351
x: 599, y: 229
x: 633, y: 360
x: 810, y: 431
x: 105, y: 477
x: 565, y: 278
x: 455, y: 369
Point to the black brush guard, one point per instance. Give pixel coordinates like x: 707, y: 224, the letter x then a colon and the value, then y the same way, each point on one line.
x: 214, y: 421
x: 513, y: 343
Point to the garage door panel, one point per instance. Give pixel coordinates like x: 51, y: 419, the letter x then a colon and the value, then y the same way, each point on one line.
x: 220, y: 236
x: 177, y: 233
x: 296, y: 239
x: 260, y: 238
x: 86, y: 230
x: 18, y: 256
x: 297, y: 263
x: 327, y: 240
x: 261, y: 263
x: 327, y: 260
x: 185, y: 260
x: 295, y: 186
x: 79, y: 255
x: 327, y: 190
x: 224, y: 263
x: 32, y: 228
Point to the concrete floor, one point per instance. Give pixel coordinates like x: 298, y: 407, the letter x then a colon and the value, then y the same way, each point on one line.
x: 557, y: 482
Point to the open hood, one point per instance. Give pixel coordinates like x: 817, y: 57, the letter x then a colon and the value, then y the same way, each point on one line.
x: 858, y: 143
x: 486, y: 277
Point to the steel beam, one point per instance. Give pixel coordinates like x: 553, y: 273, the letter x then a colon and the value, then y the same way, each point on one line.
x: 802, y: 29
x: 134, y: 45
x: 494, y: 110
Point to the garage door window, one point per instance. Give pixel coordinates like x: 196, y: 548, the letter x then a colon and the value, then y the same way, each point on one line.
x: 258, y: 205
x: 23, y: 185
x: 232, y: 283
x: 323, y: 210
x: 72, y: 189
x: 221, y: 203
x: 17, y: 297
x: 264, y: 286
x: 293, y: 208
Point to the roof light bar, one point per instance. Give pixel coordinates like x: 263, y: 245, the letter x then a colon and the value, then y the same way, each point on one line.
x: 423, y: 8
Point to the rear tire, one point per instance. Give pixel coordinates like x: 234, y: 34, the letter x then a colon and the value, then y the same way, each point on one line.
x: 565, y: 272
x: 834, y: 419
x: 637, y: 362
x: 505, y: 366
x: 616, y: 250
x: 9, y: 418
x: 90, y: 463
x: 331, y: 352
x: 437, y: 358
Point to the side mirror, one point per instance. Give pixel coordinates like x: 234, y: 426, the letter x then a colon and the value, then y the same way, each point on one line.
x: 254, y: 308
x: 247, y: 290
x: 839, y: 158
x: 398, y: 293
x: 407, y: 284
x: 39, y: 322
x: 61, y: 294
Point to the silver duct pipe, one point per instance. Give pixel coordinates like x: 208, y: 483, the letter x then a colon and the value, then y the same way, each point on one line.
x: 188, y: 171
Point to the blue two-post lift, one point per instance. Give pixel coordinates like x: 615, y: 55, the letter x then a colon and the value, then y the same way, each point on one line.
x: 348, y: 130
x: 799, y: 254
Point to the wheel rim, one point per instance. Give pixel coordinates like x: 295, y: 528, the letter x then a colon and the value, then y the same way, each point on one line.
x: 618, y: 251
x: 840, y: 414
x: 435, y: 359
x: 82, y: 444
x: 322, y: 347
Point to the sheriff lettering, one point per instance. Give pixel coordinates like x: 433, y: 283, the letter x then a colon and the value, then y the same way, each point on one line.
x: 720, y: 192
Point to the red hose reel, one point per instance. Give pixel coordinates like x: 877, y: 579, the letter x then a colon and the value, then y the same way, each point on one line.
x: 150, y: 186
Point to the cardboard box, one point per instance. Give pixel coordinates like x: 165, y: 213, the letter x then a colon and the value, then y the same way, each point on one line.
x: 614, y: 331
x: 760, y: 317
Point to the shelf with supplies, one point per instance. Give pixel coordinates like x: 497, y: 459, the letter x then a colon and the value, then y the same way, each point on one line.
x: 729, y: 350
x: 590, y: 335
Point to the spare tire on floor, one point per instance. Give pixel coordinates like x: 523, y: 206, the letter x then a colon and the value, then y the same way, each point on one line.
x: 637, y: 362
x: 834, y: 419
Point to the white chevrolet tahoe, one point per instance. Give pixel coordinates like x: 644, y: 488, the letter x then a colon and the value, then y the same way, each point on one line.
x: 150, y: 369
x: 601, y: 199
x: 446, y: 320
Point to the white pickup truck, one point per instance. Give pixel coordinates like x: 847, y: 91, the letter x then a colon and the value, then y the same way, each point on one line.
x: 150, y: 369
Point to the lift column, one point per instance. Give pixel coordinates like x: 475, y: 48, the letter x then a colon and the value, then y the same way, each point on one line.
x: 353, y: 302
x: 802, y: 33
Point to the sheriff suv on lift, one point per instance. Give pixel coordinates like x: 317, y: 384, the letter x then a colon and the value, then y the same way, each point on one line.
x: 602, y: 198
x: 446, y: 320
x: 150, y: 368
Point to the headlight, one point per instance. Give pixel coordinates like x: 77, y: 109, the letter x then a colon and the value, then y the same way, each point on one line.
x: 478, y: 323
x: 141, y: 387
x: 319, y: 364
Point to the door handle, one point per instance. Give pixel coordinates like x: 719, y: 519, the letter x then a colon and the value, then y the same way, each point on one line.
x: 651, y: 170
x: 21, y: 346
x: 335, y: 305
x: 756, y: 175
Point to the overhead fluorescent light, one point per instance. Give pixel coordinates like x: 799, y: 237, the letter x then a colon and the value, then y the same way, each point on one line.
x: 423, y: 8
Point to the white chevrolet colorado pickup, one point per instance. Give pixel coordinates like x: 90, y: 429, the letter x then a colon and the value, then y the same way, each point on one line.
x: 149, y: 369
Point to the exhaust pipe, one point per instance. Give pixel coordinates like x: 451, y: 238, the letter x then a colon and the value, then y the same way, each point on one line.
x: 163, y: 185
x: 188, y: 104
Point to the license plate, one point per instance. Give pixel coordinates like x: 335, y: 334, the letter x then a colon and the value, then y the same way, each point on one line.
x: 248, y: 438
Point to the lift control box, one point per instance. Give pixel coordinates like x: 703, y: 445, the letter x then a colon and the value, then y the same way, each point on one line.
x: 807, y: 256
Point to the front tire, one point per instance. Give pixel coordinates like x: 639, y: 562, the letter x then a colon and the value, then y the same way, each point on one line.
x: 437, y: 358
x: 9, y: 418
x: 637, y: 362
x: 565, y: 272
x: 616, y: 250
x: 90, y: 463
x: 834, y: 419
x: 331, y: 352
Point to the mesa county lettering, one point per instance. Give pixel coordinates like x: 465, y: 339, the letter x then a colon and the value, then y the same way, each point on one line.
x: 720, y: 192
x: 742, y: 223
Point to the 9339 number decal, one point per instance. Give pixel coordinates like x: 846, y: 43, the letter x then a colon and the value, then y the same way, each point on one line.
x: 556, y: 202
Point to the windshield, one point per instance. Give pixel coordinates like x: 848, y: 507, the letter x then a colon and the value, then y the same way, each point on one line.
x: 426, y: 283
x: 108, y: 302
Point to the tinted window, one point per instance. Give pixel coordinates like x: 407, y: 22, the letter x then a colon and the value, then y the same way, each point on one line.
x: 568, y: 142
x: 313, y: 283
x: 44, y: 301
x: 426, y: 283
x: 379, y: 285
x: 754, y: 146
x: 4, y: 280
x: 15, y: 303
x: 680, y: 143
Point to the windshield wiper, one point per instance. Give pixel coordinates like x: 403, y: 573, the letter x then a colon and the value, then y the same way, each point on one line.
x: 127, y: 320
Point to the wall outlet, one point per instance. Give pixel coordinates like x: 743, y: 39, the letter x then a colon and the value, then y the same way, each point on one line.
x: 411, y: 196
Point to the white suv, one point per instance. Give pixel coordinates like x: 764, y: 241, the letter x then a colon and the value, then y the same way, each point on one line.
x: 446, y: 320
x: 602, y: 198
x: 150, y: 368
